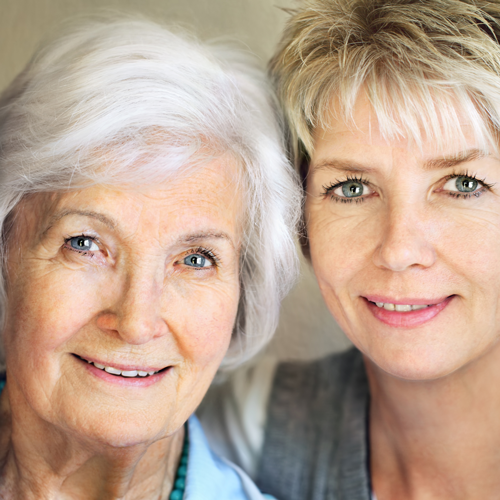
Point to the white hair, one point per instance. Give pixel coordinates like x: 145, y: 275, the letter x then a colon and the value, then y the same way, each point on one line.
x: 153, y: 103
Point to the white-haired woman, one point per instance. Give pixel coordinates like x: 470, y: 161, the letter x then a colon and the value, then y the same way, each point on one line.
x: 147, y: 216
x: 395, y: 107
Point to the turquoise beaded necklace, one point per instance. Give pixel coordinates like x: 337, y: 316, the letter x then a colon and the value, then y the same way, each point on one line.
x: 180, y: 476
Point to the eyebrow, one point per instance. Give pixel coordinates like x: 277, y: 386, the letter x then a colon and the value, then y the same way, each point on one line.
x: 432, y: 164
x: 185, y: 239
x: 107, y: 221
x: 342, y: 165
x: 453, y: 161
x: 204, y: 235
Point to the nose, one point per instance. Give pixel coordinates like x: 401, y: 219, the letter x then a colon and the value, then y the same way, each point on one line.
x: 405, y: 241
x: 137, y: 314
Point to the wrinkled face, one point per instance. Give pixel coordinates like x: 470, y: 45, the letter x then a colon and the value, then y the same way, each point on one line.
x: 121, y: 304
x: 406, y: 246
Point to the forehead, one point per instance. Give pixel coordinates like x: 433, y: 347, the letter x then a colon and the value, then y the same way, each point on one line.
x: 202, y: 197
x: 368, y: 129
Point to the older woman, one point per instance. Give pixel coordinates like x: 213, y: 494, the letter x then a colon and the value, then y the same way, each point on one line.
x: 395, y: 106
x: 147, y: 214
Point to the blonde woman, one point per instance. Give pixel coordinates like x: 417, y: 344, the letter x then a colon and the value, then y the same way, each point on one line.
x: 394, y: 111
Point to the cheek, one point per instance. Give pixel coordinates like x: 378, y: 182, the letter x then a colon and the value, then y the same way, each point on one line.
x: 202, y: 320
x: 470, y: 246
x: 340, y: 246
x: 46, y: 309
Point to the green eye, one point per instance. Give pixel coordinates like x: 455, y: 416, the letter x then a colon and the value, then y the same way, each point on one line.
x: 349, y: 189
x: 466, y: 184
x: 352, y: 189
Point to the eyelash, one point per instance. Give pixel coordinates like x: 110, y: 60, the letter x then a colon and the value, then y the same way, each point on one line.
x: 330, y: 188
x: 206, y: 252
x: 464, y: 196
x: 457, y: 195
x: 83, y: 253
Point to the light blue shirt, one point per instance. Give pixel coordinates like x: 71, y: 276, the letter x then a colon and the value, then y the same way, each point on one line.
x: 210, y: 477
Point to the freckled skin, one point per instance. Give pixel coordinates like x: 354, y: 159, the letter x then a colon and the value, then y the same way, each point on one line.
x: 434, y: 429
x: 409, y: 240
x: 134, y: 301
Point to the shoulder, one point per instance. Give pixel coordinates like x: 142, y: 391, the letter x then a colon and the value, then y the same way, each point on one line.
x: 316, y: 380
x: 211, y: 477
x: 315, y: 437
x: 305, y: 396
x: 339, y: 362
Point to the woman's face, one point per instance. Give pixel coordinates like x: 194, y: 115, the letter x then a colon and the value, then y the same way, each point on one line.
x: 137, y: 281
x: 406, y: 246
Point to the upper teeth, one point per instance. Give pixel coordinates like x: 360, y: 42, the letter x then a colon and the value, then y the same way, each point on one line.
x: 400, y: 307
x: 123, y: 373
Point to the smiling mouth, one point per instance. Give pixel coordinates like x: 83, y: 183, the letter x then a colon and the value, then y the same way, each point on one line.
x: 414, y: 313
x: 408, y: 308
x: 401, y: 307
x: 122, y: 373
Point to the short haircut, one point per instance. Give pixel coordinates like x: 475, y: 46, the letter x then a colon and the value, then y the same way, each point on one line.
x: 148, y: 103
x: 423, y: 64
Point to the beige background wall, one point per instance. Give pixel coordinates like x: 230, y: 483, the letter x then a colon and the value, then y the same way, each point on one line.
x: 306, y: 329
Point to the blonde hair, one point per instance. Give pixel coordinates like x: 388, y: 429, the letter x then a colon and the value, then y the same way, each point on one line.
x: 424, y: 65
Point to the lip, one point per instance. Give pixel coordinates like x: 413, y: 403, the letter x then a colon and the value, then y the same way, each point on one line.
x: 412, y: 301
x: 120, y: 367
x: 409, y: 319
x: 139, y: 382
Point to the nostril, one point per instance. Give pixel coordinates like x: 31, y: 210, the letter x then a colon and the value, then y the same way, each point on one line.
x: 138, y: 330
x: 404, y: 250
x: 137, y: 315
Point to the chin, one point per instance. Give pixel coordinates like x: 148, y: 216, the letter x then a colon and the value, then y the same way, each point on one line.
x: 119, y: 435
x: 416, y: 364
x: 116, y: 429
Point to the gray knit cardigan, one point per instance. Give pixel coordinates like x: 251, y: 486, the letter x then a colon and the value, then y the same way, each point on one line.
x: 316, y: 445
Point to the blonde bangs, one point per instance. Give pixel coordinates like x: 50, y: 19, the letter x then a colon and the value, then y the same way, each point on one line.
x: 430, y: 69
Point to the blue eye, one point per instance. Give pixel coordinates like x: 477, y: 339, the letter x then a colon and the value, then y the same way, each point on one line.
x: 83, y: 244
x: 197, y: 260
x: 349, y: 189
x: 352, y: 189
x: 466, y: 184
x: 463, y: 184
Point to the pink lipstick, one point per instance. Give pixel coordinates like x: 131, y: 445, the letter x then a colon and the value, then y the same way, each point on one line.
x: 405, y: 313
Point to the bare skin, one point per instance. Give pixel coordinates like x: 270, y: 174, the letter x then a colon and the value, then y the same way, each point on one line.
x: 81, y: 470
x: 437, y: 440
x: 414, y: 238
x: 135, y: 279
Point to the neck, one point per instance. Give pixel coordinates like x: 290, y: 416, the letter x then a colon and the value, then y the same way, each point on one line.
x: 436, y: 439
x: 38, y: 460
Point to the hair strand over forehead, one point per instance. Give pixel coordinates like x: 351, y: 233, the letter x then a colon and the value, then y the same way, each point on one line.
x: 428, y: 67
